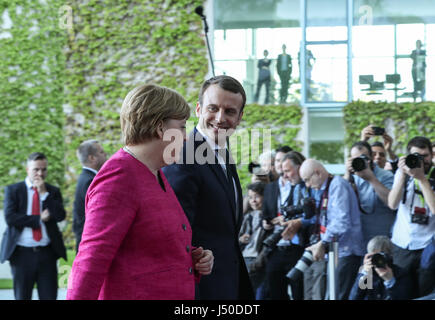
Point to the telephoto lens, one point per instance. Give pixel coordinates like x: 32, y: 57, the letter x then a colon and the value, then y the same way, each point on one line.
x: 298, y: 270
x: 413, y: 161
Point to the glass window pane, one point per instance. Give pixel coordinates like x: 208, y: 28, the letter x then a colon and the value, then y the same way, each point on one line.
x: 326, y: 73
x: 372, y: 41
x: 232, y: 44
x: 326, y: 33
x: 407, y: 35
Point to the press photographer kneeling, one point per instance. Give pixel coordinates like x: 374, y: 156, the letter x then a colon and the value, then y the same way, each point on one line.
x: 379, y: 278
x: 414, y: 197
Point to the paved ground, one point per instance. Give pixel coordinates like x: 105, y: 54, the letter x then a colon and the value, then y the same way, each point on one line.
x: 9, y: 294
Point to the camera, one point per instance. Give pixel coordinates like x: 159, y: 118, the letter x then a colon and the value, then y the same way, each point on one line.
x: 307, y: 210
x: 413, y: 160
x: 419, y: 216
x: 381, y: 260
x: 303, y: 263
x: 360, y: 163
x: 378, y: 131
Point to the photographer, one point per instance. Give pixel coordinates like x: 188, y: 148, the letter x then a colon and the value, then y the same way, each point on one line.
x: 380, y: 149
x: 413, y: 195
x: 285, y: 252
x: 387, y: 282
x: 339, y: 220
x: 372, y: 185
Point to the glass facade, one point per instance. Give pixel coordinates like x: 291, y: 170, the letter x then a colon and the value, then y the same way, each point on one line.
x: 341, y: 50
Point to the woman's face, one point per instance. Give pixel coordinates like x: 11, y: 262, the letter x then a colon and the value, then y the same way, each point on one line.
x: 174, y: 135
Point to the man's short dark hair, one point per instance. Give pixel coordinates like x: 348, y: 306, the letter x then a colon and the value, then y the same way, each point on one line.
x: 419, y: 142
x: 226, y: 83
x: 378, y: 144
x: 283, y: 149
x: 257, y: 187
x: 295, y: 157
x: 36, y: 156
x: 362, y: 144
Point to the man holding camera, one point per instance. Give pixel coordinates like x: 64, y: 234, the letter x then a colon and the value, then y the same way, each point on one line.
x: 287, y: 246
x: 380, y: 278
x: 339, y: 221
x: 379, y: 149
x: 372, y: 185
x: 413, y: 195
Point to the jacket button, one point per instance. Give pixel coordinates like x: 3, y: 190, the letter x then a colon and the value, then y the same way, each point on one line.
x: 190, y: 270
x: 187, y: 248
x: 184, y: 227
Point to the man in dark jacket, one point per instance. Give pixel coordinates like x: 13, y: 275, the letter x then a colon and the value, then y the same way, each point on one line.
x: 92, y: 158
x: 33, y: 242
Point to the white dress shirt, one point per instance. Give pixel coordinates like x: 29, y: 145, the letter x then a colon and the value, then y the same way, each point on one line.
x: 26, y: 237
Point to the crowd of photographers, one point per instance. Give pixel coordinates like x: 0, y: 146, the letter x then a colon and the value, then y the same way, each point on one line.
x: 380, y: 214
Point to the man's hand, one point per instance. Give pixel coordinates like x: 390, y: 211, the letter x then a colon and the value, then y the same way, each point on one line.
x: 202, y: 260
x: 45, y: 215
x: 39, y: 183
x: 367, y: 133
x: 292, y: 227
x: 267, y: 226
x: 416, y: 173
x: 385, y: 273
x: 244, y: 238
x: 318, y: 251
x: 277, y: 220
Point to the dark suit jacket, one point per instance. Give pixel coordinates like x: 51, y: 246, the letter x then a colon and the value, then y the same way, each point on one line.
x: 270, y: 200
x: 288, y: 69
x: 15, y: 209
x: 85, y: 179
x: 203, y: 191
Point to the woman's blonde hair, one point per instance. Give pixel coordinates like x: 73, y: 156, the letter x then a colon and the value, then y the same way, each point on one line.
x: 145, y: 107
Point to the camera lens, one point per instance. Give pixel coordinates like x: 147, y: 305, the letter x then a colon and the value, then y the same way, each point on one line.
x: 359, y: 164
x: 298, y: 270
x: 379, y: 260
x: 412, y: 161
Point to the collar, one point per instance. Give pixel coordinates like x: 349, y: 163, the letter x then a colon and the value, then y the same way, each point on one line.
x: 29, y: 184
x: 210, y: 142
x: 90, y: 169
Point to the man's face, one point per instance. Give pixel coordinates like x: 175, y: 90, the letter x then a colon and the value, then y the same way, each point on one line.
x: 36, y: 170
x: 290, y: 172
x: 267, y: 165
x: 278, y: 162
x: 99, y: 156
x: 379, y: 156
x: 312, y: 179
x: 427, y: 157
x: 220, y: 113
x: 355, y: 152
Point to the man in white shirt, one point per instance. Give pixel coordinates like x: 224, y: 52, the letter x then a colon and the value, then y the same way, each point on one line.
x: 413, y: 195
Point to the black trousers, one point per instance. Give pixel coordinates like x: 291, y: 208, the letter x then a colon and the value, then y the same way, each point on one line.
x: 34, y: 265
x: 279, y: 263
x: 347, y: 271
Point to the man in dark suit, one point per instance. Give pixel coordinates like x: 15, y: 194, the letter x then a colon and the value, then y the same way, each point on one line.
x: 209, y: 191
x: 92, y: 157
x: 284, y: 68
x: 32, y: 241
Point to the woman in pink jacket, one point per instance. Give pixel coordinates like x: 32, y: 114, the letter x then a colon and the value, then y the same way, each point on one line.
x: 136, y: 241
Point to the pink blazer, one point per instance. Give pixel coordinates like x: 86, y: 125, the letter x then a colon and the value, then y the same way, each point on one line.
x: 136, y: 242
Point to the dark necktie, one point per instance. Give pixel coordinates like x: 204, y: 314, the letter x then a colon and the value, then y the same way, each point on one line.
x: 229, y: 172
x: 37, y: 233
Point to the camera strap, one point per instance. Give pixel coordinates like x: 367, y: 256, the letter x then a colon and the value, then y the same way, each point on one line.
x: 355, y: 189
x: 418, y: 191
x: 322, y: 209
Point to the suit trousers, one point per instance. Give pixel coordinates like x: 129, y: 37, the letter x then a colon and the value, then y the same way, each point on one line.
x: 315, y: 281
x: 34, y: 265
x: 409, y: 260
x: 279, y: 263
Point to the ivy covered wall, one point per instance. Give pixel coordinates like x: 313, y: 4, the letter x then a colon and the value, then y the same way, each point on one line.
x: 32, y: 77
x: 401, y: 120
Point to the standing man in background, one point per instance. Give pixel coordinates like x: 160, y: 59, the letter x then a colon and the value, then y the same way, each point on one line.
x: 33, y: 242
x: 207, y: 186
x: 284, y: 69
x: 92, y: 157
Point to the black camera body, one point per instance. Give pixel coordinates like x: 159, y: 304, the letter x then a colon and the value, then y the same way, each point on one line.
x: 360, y: 163
x: 419, y: 216
x: 306, y: 210
x: 381, y: 260
x: 378, y: 131
x: 413, y: 160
